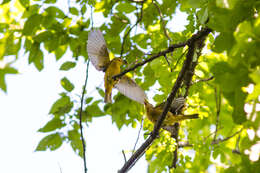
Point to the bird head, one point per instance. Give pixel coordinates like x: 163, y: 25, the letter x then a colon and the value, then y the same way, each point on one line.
x: 119, y: 61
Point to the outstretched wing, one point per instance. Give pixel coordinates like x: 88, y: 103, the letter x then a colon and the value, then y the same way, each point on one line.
x: 130, y: 89
x: 97, y: 50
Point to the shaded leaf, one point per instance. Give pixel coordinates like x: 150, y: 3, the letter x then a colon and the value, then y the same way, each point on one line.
x: 52, y: 142
x: 67, y: 65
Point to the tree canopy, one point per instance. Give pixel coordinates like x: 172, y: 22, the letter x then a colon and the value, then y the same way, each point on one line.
x: 214, y: 62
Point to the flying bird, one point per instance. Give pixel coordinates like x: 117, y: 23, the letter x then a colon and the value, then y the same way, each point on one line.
x: 99, y: 57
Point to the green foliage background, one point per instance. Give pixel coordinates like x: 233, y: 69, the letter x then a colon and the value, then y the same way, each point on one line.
x: 231, y: 56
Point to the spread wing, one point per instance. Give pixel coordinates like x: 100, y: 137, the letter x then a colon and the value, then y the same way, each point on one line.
x: 97, y: 50
x: 130, y: 89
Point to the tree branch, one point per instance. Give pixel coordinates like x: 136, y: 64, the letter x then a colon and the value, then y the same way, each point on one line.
x: 187, y: 144
x: 162, y: 20
x: 218, y: 105
x: 217, y: 141
x: 138, y: 1
x: 191, y: 43
x: 80, y: 120
x: 139, y: 132
x: 162, y: 53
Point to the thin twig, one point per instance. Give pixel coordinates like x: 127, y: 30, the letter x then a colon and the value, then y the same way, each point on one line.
x: 165, y: 57
x: 177, y: 62
x: 139, y: 18
x: 80, y: 120
x: 91, y: 17
x: 139, y: 132
x: 205, y: 80
x: 187, y: 144
x: 123, y: 152
x: 138, y: 1
x: 139, y: 152
x: 162, y: 20
x: 218, y: 106
x: 162, y: 53
x: 217, y: 141
x: 184, y: 144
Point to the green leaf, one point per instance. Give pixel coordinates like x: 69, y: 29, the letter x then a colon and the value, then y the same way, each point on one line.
x: 255, y: 76
x: 75, y: 142
x: 101, y: 92
x: 5, y: 1
x: 55, y: 12
x: 53, y: 124
x: 239, y: 115
x: 223, y: 42
x: 83, y: 9
x: 43, y: 36
x: 203, y: 15
x: 25, y: 3
x: 74, y: 11
x: 60, y: 51
x: 61, y: 106
x: 36, y: 56
x: 50, y: 1
x: 52, y: 142
x: 94, y: 110
x: 141, y: 40
x: 31, y: 24
x: 125, y: 7
x: 88, y: 100
x: 67, y: 65
x: 2, y: 82
x: 66, y: 84
x: 9, y: 70
x: 229, y: 4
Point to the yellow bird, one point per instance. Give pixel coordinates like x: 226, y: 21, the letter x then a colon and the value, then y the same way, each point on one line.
x: 99, y: 57
x: 112, y: 69
x: 153, y: 114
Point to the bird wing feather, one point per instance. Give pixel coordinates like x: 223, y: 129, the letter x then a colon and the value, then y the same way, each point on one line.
x: 97, y: 50
x: 130, y: 89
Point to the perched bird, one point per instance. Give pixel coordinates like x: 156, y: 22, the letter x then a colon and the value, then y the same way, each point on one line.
x: 153, y: 113
x: 99, y: 57
x: 176, y: 107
